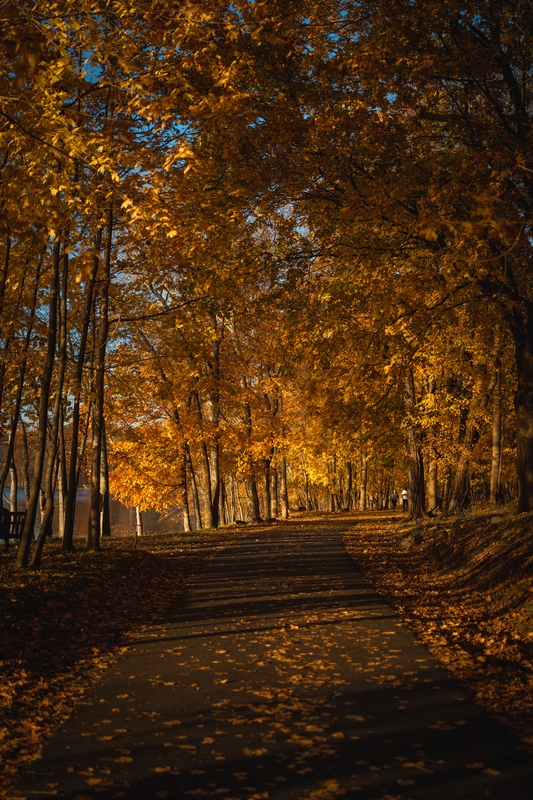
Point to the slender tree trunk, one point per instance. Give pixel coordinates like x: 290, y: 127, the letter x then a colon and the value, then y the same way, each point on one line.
x: 46, y: 521
x: 496, y: 458
x: 363, y: 482
x: 208, y: 505
x: 26, y: 483
x: 13, y: 486
x: 20, y: 388
x: 27, y: 533
x: 238, y: 500
x: 349, y: 486
x: 183, y: 495
x: 284, y: 494
x: 73, y: 472
x: 105, y: 521
x: 139, y: 529
x: 268, y: 497
x: 62, y: 475
x: 417, y: 489
x: 93, y: 540
x: 194, y: 488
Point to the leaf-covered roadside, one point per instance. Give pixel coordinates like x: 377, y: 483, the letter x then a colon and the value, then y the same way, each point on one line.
x: 464, y: 585
x: 63, y: 625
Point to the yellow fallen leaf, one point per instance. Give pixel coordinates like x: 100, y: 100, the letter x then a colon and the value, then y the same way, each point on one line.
x: 260, y: 752
x: 490, y: 771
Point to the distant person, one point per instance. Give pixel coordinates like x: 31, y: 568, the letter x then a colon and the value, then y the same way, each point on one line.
x: 393, y: 497
x: 405, y: 501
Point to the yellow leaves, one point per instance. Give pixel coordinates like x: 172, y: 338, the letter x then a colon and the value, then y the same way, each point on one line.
x: 249, y: 753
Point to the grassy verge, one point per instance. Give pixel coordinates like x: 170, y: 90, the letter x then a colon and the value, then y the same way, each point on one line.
x: 465, y: 587
x: 63, y: 625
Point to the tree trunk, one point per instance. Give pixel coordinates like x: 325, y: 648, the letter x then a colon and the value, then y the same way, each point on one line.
x: 46, y: 521
x: 31, y: 512
x: 26, y: 483
x: 139, y: 529
x: 363, y: 482
x: 238, y: 500
x: 417, y: 489
x: 93, y: 539
x: 20, y: 388
x: 13, y: 486
x: 349, y: 486
x: 62, y: 476
x: 433, y: 486
x: 254, y: 499
x: 73, y: 472
x: 183, y: 496
x: 284, y: 494
x: 105, y: 521
x: 268, y: 499
x: 194, y: 488
x: 497, y: 427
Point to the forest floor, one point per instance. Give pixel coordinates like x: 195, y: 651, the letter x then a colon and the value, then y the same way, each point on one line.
x: 464, y: 585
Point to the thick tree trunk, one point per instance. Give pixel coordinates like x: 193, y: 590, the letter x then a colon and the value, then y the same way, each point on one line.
x: 31, y: 512
x: 497, y: 429
x: 433, y: 486
x: 254, y: 499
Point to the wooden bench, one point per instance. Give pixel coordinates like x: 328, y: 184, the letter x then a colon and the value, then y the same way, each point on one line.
x: 11, y: 525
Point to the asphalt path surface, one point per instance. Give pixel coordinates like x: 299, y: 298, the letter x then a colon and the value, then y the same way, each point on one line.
x: 280, y: 674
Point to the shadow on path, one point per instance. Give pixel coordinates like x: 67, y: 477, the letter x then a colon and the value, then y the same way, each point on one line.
x: 281, y: 674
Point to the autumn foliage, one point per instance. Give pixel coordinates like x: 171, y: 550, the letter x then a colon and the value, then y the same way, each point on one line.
x: 264, y: 256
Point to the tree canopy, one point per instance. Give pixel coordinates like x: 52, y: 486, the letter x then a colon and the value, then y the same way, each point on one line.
x: 261, y: 256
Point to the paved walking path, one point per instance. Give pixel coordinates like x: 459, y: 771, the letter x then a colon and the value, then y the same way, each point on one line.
x: 281, y: 674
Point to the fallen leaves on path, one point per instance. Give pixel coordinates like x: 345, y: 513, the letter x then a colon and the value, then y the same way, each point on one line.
x: 465, y: 586
x: 63, y: 625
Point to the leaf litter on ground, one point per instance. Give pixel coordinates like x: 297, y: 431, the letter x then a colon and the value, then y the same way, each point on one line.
x: 464, y: 585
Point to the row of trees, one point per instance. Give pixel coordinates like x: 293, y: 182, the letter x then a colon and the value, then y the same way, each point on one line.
x: 265, y: 255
